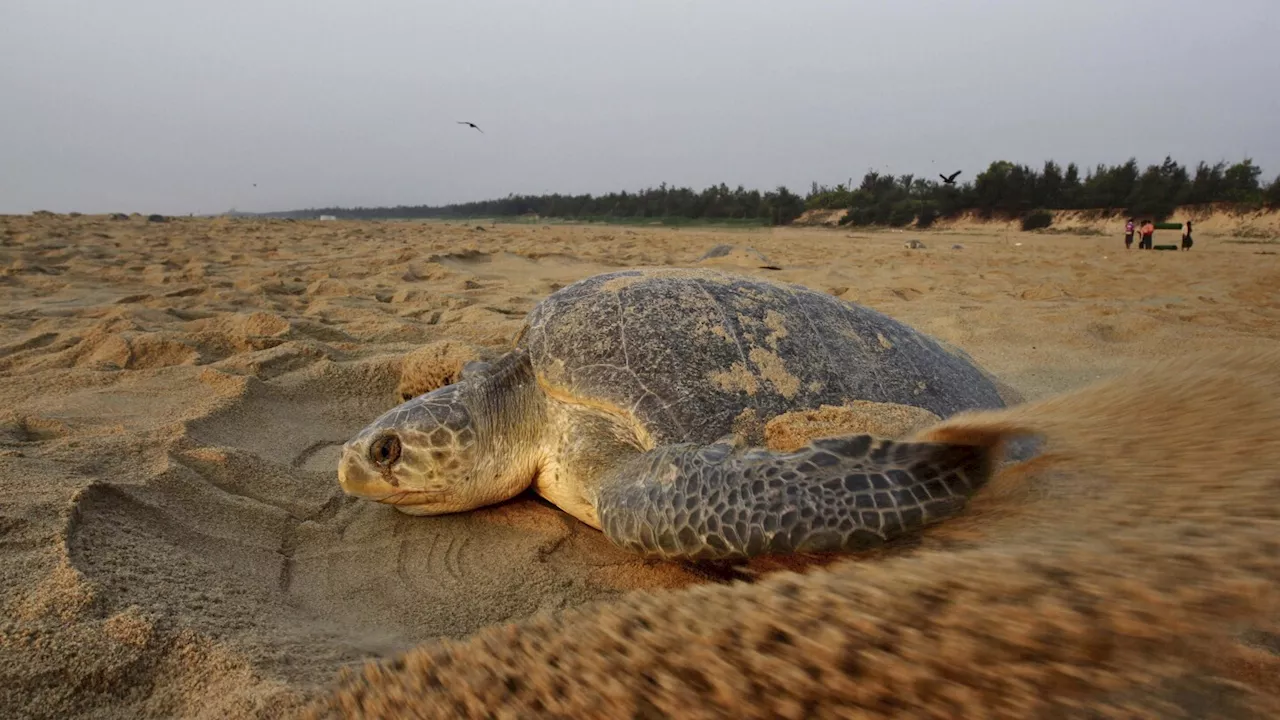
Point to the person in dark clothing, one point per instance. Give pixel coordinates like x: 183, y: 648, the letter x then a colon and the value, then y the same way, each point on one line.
x: 1186, y: 237
x: 1128, y: 234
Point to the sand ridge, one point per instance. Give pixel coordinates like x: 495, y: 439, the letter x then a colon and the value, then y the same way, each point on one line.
x: 174, y: 396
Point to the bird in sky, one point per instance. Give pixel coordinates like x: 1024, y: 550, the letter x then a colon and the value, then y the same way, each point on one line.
x: 477, y: 127
x: 949, y: 180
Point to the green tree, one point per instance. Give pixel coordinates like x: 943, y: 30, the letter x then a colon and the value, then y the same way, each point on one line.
x: 1003, y: 188
x: 1241, y: 182
x: 1271, y: 196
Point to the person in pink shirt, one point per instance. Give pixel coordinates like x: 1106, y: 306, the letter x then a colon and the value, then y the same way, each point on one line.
x: 1128, y: 234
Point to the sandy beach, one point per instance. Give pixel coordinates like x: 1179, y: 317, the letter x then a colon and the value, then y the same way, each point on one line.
x: 173, y: 542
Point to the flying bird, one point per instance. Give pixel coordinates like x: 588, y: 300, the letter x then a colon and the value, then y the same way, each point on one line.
x: 950, y: 180
x: 477, y: 127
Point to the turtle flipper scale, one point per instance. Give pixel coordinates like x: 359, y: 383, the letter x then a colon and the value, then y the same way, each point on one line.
x: 841, y: 494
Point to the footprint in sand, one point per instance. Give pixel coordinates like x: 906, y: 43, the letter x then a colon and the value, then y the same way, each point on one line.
x: 30, y: 430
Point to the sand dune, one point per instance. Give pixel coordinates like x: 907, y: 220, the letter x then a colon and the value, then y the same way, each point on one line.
x: 1222, y: 221
x: 174, y: 396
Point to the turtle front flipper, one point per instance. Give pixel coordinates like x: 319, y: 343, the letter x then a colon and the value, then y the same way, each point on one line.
x: 715, y: 502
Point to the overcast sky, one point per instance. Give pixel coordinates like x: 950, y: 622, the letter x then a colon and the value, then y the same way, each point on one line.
x: 176, y: 106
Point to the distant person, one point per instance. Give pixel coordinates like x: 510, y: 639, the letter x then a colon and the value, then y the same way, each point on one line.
x: 1186, y: 237
x: 1148, y: 229
x: 1128, y: 234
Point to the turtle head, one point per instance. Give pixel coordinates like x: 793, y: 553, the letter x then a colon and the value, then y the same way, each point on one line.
x: 447, y: 451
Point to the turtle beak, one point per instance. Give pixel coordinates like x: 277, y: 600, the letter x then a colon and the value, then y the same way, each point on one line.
x: 355, y: 478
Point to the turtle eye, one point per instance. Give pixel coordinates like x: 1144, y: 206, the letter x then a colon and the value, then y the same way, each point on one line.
x: 385, y: 451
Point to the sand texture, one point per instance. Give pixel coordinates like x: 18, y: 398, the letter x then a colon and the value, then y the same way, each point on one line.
x: 173, y: 397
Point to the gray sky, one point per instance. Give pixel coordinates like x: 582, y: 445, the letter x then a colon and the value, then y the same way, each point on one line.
x: 177, y: 106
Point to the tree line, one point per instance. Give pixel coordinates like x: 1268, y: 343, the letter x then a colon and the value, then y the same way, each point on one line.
x: 716, y: 203
x: 1003, y: 189
x: 1012, y: 190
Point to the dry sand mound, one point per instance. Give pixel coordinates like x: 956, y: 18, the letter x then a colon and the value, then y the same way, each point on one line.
x: 1107, y: 577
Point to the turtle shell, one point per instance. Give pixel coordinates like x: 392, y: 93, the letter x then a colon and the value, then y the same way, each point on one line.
x: 687, y: 352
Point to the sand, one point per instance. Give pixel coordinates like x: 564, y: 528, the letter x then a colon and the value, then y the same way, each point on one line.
x: 1129, y: 572
x: 173, y: 397
x: 1259, y: 226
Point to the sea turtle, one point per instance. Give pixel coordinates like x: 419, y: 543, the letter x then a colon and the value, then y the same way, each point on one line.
x: 633, y: 400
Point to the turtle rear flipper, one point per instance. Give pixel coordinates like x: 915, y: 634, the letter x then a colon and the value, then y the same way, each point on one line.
x: 714, y: 502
